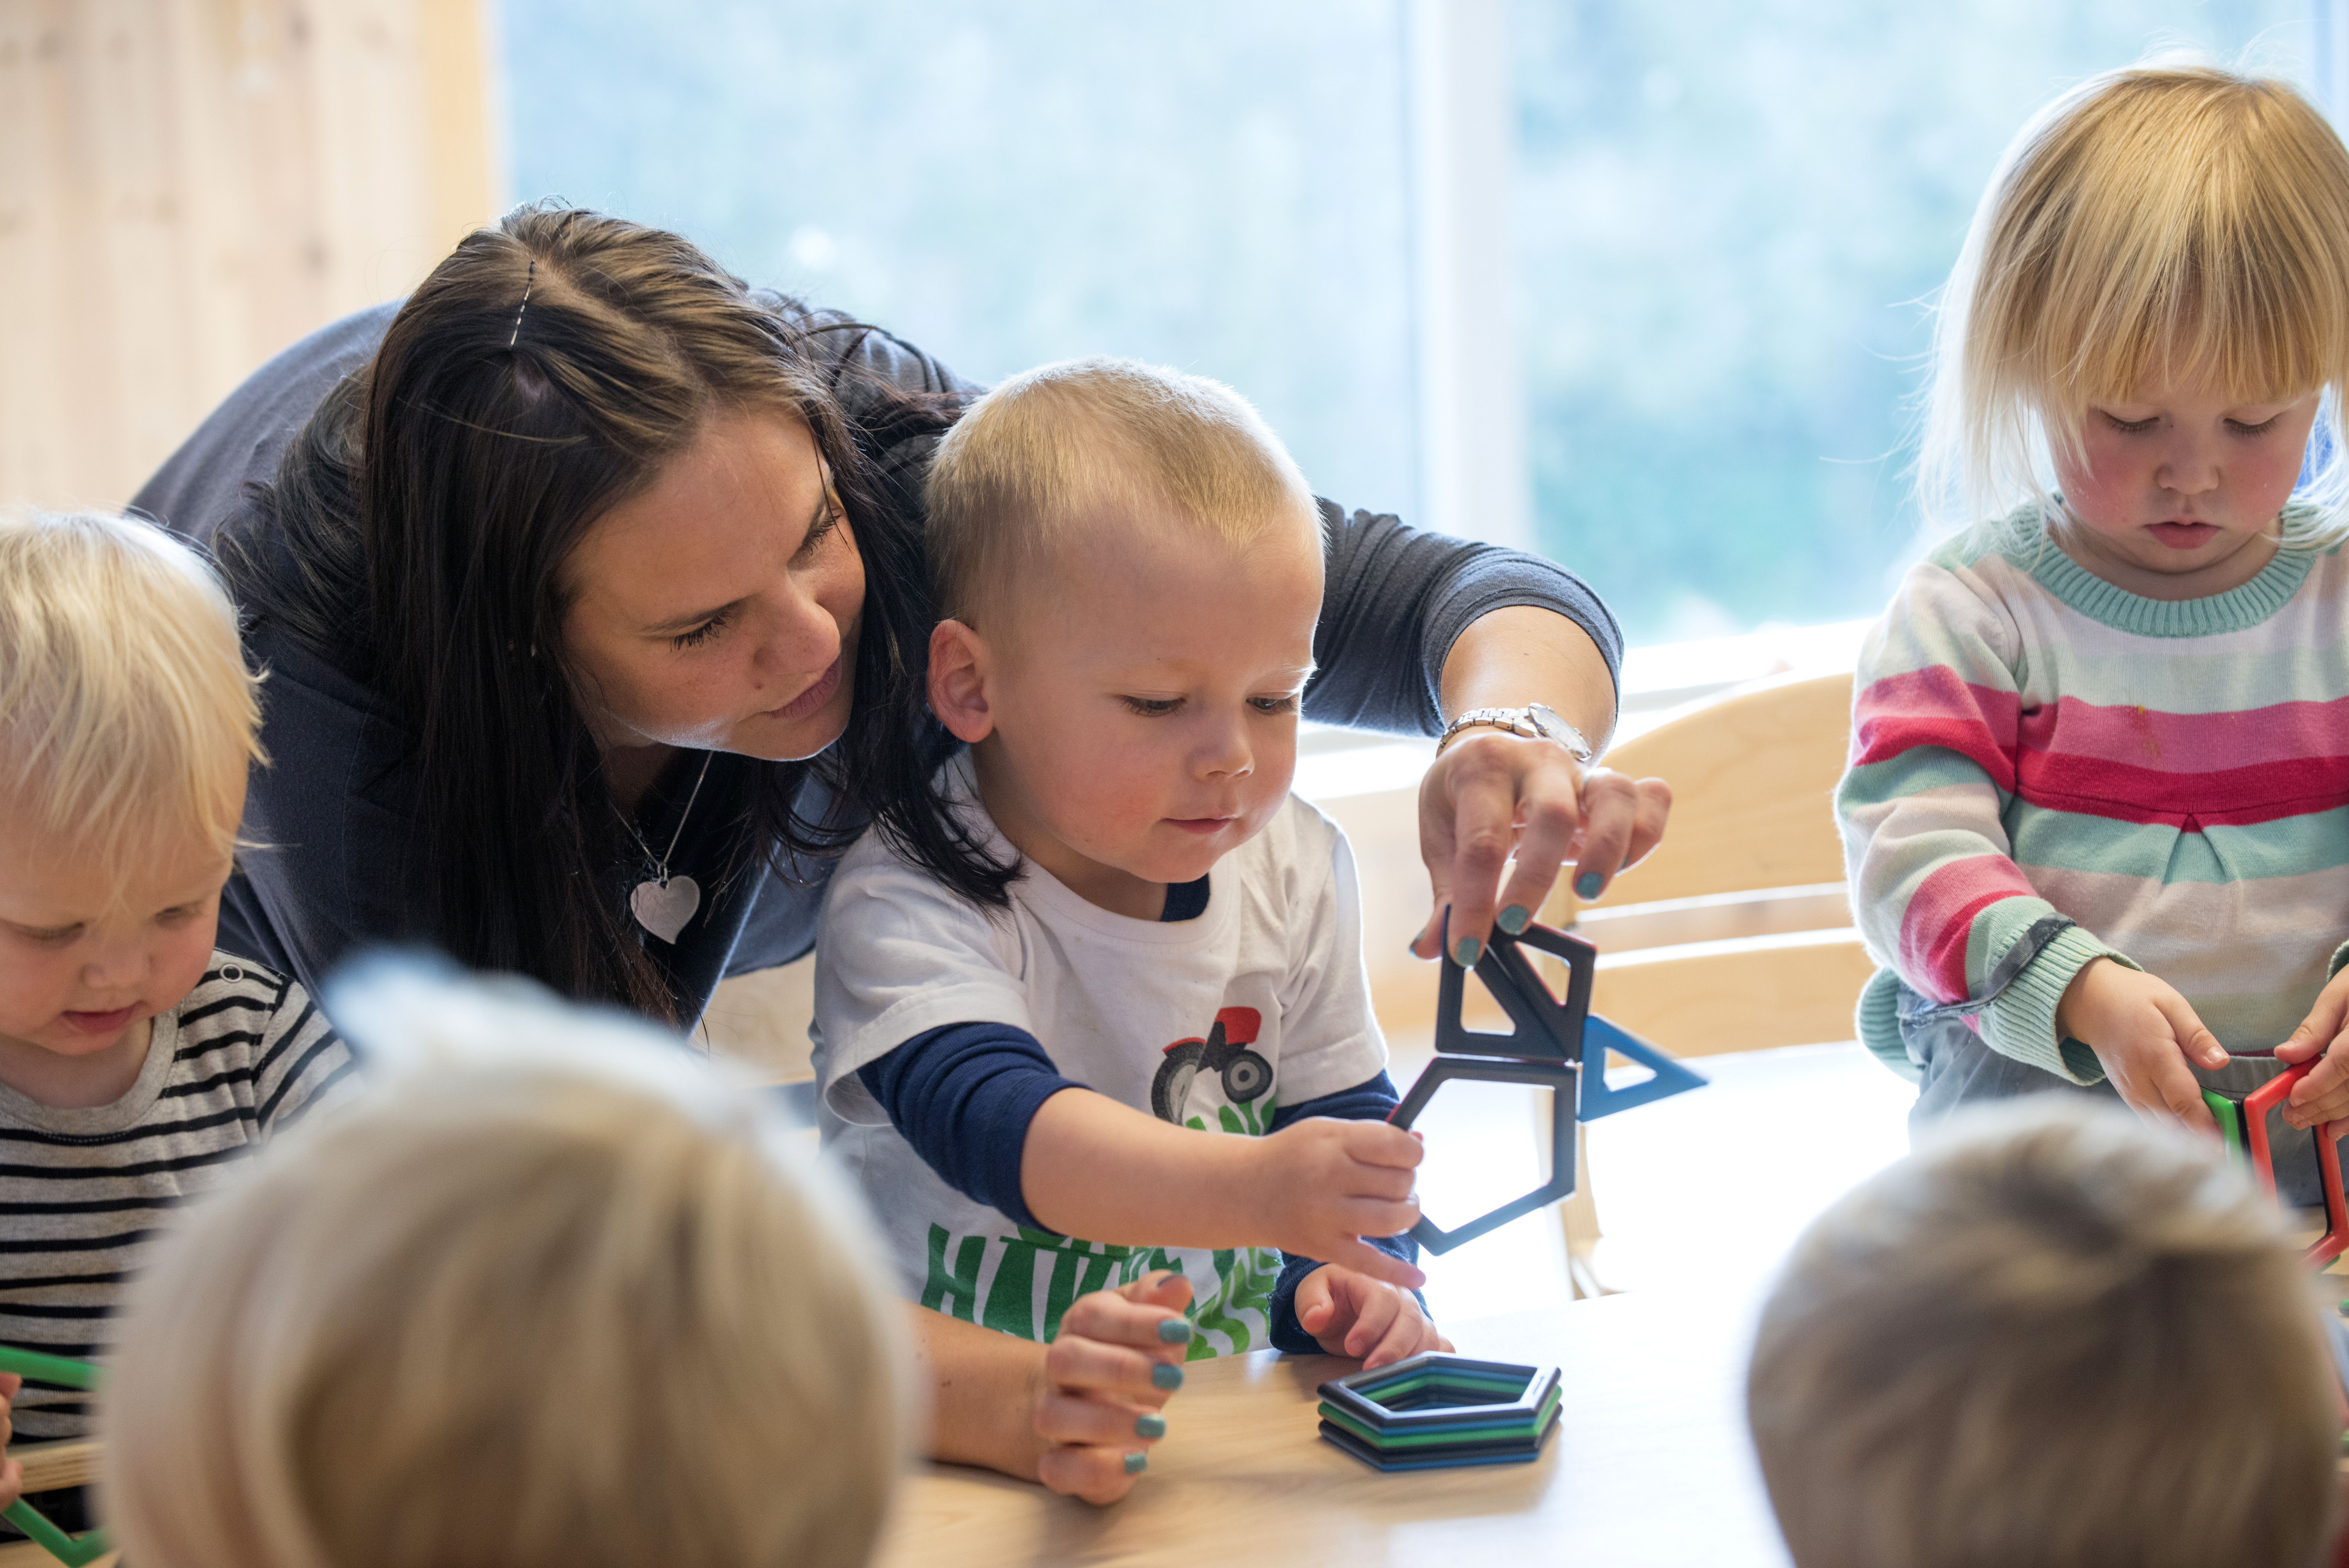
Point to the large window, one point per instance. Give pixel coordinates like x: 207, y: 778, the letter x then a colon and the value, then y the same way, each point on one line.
x: 1725, y: 219
x: 1729, y: 217
x: 1217, y: 185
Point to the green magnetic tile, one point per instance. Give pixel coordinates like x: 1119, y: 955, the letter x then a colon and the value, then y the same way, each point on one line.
x: 1450, y: 1434
x: 1386, y: 1392
x: 2229, y: 1115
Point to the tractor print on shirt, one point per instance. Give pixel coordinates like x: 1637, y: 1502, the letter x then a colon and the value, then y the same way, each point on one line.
x: 1247, y: 1076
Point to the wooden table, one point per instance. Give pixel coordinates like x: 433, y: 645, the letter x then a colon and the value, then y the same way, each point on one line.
x: 1650, y: 1465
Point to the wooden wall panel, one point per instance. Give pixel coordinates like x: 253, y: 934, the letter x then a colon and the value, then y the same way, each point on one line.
x: 186, y: 186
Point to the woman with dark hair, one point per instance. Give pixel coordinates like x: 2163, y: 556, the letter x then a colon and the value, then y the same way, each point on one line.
x: 591, y: 588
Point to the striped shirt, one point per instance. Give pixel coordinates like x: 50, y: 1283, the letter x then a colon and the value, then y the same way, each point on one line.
x: 2046, y: 769
x: 82, y: 1192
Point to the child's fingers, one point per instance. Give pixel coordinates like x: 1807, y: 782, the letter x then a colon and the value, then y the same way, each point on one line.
x: 1315, y: 1301
x: 2175, y: 1095
x: 1379, y: 1183
x: 2193, y: 1037
x: 1375, y: 1311
x: 2324, y: 1096
x: 1382, y: 1146
x: 1364, y: 1259
x: 1408, y: 1336
x: 1097, y: 1475
x: 1371, y: 1216
x: 12, y: 1483
x: 10, y: 1383
x: 2323, y: 1024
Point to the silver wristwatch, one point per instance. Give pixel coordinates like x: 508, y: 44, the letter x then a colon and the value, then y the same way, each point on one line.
x: 1535, y: 721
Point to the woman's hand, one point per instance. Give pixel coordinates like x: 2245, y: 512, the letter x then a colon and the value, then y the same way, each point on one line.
x: 1492, y: 795
x: 1117, y: 1361
x: 2145, y: 1033
x: 2324, y: 1096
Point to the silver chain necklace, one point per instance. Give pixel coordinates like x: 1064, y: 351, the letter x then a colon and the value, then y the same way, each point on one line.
x: 663, y: 904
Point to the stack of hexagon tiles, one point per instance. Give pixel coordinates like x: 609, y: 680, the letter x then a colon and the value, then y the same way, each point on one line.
x: 1435, y: 1410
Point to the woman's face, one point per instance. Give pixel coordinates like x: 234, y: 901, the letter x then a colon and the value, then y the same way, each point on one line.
x: 718, y: 609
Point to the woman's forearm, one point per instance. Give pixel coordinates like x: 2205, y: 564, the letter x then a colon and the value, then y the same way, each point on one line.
x: 1523, y: 653
x: 983, y: 1390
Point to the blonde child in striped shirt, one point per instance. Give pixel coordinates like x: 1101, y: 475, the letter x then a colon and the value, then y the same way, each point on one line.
x: 2097, y: 809
x: 138, y: 1065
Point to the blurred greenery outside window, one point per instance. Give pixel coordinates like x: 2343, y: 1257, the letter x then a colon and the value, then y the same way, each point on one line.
x: 1726, y: 219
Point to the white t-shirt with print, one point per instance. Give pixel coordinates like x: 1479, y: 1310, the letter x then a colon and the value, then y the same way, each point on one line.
x: 1261, y: 1000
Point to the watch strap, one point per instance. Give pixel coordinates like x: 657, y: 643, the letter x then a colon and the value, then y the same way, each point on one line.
x: 1533, y: 721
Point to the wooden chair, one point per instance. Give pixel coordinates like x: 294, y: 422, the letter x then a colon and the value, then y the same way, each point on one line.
x: 1735, y: 934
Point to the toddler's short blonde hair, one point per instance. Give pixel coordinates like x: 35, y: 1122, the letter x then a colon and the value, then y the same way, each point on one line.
x: 551, y: 1296
x: 2055, y: 1337
x: 1031, y: 460
x: 127, y: 715
x: 2175, y: 220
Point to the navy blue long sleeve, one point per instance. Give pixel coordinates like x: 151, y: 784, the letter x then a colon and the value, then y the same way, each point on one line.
x: 963, y: 1096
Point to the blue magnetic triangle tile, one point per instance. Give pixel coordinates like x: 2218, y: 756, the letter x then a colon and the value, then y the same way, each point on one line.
x: 1599, y: 1037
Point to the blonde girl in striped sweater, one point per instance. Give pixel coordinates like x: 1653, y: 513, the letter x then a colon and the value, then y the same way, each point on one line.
x: 2096, y: 815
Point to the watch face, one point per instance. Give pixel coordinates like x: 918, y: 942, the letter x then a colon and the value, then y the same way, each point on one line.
x: 1546, y: 720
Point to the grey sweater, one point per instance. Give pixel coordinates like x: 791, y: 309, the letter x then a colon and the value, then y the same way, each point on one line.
x: 333, y: 814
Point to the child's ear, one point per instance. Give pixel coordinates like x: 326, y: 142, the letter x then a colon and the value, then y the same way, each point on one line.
x: 958, y: 671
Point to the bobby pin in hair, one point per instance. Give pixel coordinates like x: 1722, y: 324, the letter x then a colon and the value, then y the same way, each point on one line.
x: 529, y: 279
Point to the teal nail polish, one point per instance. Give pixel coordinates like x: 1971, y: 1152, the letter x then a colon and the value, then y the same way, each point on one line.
x: 1467, y: 952
x: 1136, y: 1463
x: 1166, y: 1377
x: 1514, y: 918
x: 1587, y: 885
x: 1174, y: 1330
x: 1150, y: 1426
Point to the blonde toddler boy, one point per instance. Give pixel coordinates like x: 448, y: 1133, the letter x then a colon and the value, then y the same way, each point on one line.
x: 553, y: 1296
x: 2053, y: 1338
x: 1146, y: 1042
x: 138, y: 1065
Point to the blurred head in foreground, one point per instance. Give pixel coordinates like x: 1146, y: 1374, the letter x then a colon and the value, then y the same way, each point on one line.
x: 551, y: 1294
x: 2053, y: 1336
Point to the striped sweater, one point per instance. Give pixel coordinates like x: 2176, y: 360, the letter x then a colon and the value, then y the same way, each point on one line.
x: 82, y: 1192
x: 2045, y: 769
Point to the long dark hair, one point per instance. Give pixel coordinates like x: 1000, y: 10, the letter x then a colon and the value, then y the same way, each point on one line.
x: 458, y: 473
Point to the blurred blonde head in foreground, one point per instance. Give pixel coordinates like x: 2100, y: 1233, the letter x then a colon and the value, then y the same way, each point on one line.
x: 2057, y: 1336
x: 552, y: 1294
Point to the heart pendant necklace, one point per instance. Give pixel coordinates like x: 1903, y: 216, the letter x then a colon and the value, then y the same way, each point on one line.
x: 661, y: 903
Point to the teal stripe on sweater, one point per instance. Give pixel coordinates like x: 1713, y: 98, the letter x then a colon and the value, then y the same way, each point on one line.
x: 1912, y: 772
x: 2076, y: 841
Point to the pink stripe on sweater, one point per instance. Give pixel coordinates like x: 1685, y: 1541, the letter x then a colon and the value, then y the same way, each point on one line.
x: 2189, y: 742
x: 2220, y: 798
x: 1933, y: 707
x: 1940, y: 916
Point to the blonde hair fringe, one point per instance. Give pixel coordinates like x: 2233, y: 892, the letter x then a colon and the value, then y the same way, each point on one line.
x: 2171, y: 219
x: 553, y: 1295
x: 2054, y: 1335
x: 127, y: 715
x: 1031, y: 459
